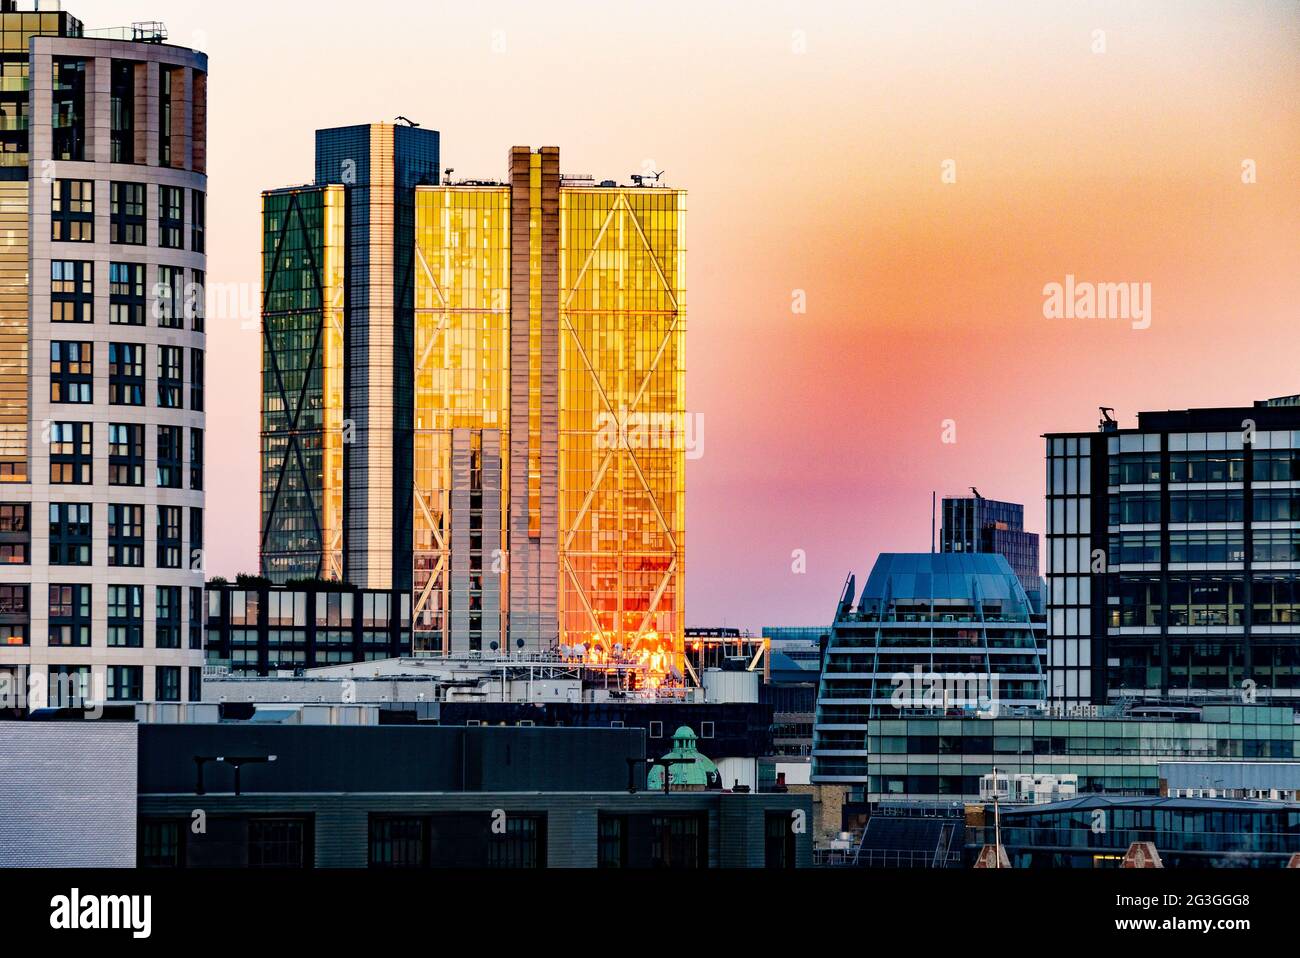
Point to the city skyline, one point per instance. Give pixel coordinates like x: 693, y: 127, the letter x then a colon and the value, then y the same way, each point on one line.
x: 913, y: 316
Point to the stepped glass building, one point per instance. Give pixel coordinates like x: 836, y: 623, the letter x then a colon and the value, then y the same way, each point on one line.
x: 931, y: 634
x: 1173, y: 553
x: 102, y: 207
x: 473, y: 391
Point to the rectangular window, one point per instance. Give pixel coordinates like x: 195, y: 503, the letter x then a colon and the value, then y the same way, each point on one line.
x: 168, y: 621
x: 69, y: 114
x: 168, y: 680
x: 521, y: 846
x: 72, y: 372
x: 779, y: 840
x: 196, y: 538
x: 70, y: 616
x: 161, y: 845
x: 126, y: 294
x: 125, y: 454
x: 278, y: 843
x: 169, y: 297
x: 198, y: 219
x: 196, y: 380
x: 196, y: 459
x: 196, y: 625
x: 196, y: 299
x: 170, y: 465
x: 169, y: 537
x: 126, y: 374
x: 72, y: 211
x: 170, y: 377
x: 165, y: 116
x: 70, y: 533
x: 72, y: 291
x: 125, y: 535
x: 71, y: 453
x: 171, y: 217
x: 127, y: 213
x: 125, y: 617
x: 125, y: 683
x: 15, y: 533
x: 70, y: 686
x: 196, y: 682
x: 122, y: 112
x: 398, y: 842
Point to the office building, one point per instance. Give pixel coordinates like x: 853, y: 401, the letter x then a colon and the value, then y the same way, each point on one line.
x: 975, y: 524
x: 1173, y: 549
x: 932, y: 633
x: 102, y: 256
x: 543, y: 504
x: 938, y: 758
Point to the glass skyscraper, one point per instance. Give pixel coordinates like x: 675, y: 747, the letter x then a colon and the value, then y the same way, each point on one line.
x: 975, y: 524
x: 542, y: 380
x: 1173, y: 553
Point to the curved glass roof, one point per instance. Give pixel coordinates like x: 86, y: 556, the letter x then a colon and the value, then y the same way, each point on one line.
x: 924, y: 578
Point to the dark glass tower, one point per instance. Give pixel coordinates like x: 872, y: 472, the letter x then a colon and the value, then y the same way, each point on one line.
x: 975, y: 524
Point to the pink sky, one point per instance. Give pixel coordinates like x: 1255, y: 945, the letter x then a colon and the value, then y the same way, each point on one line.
x: 812, y: 143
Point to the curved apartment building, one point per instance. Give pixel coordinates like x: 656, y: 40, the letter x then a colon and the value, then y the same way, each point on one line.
x: 102, y: 196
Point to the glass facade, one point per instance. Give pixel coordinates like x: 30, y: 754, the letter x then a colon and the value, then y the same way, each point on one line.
x: 1189, y: 592
x: 622, y: 456
x: 462, y: 408
x: 302, y: 383
x: 946, y: 634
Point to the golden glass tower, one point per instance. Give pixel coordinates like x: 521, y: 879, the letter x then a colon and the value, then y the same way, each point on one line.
x: 545, y: 506
x: 549, y: 415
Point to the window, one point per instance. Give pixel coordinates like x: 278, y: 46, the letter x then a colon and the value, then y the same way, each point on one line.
x: 125, y: 618
x: 125, y: 454
x: 13, y: 600
x: 196, y: 380
x: 398, y: 842
x: 196, y: 299
x: 521, y: 846
x: 71, y: 453
x: 125, y: 683
x: 278, y: 843
x: 170, y: 373
x: 160, y: 845
x: 198, y: 219
x: 656, y: 729
x: 69, y: 114
x: 196, y: 459
x: 69, y: 616
x: 611, y: 850
x: 170, y: 467
x: 71, y: 372
x: 72, y: 211
x: 169, y: 297
x: 168, y: 681
x: 72, y: 291
x: 169, y: 537
x: 171, y: 217
x: 70, y: 533
x: 127, y: 214
x: 125, y: 535
x: 126, y: 294
x: 126, y: 374
x: 706, y: 730
x: 69, y: 686
x: 196, y: 539
x: 15, y: 533
x: 196, y: 623
x: 165, y: 116
x: 779, y: 840
x: 122, y: 112
x: 677, y: 841
x: 196, y: 683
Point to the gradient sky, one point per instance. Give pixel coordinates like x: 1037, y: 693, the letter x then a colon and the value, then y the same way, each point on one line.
x: 812, y: 138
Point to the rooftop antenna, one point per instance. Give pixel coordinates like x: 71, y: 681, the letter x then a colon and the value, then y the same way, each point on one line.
x: 1108, y: 422
x: 408, y: 121
x: 934, y: 498
x: 446, y: 174
x: 977, y: 492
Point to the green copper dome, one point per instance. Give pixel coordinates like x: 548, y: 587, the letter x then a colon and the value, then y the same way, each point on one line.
x: 696, y: 775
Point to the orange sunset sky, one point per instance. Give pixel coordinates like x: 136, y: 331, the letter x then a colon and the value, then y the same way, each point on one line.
x: 813, y: 137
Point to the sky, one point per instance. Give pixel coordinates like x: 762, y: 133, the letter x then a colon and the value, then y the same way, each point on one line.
x: 878, y: 198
